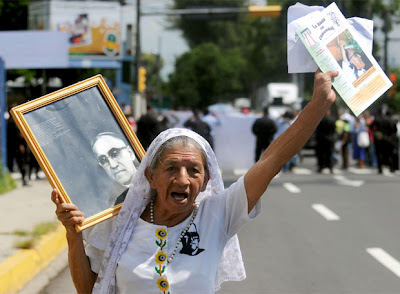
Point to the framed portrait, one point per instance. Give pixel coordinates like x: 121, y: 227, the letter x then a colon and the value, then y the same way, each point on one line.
x: 85, y: 146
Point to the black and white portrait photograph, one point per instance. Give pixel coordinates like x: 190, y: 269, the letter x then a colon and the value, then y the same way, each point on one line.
x: 86, y: 148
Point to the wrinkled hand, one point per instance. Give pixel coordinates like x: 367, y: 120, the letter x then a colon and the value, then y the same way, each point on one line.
x: 67, y: 213
x: 323, y: 91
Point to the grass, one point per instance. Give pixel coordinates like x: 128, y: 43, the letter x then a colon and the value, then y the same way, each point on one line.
x: 31, y: 238
x: 7, y: 183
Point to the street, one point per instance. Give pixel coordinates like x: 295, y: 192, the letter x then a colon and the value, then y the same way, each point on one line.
x: 317, y: 233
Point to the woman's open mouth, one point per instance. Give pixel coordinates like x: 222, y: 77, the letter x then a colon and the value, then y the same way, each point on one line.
x: 179, y: 196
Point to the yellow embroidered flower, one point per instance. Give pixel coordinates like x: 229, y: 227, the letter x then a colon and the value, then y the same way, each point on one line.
x: 161, y: 233
x: 161, y: 257
x: 162, y: 284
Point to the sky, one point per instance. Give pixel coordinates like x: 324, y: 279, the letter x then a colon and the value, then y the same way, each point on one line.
x: 156, y: 38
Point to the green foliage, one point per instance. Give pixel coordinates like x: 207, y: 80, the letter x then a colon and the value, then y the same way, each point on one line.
x: 153, y: 64
x: 256, y: 47
x: 25, y: 244
x: 205, y: 74
x: 14, y: 15
x: 7, y: 183
x: 223, y: 31
x: 44, y: 228
x: 31, y: 238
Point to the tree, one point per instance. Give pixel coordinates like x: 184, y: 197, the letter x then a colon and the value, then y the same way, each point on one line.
x: 206, y: 74
x: 14, y: 15
x: 222, y: 30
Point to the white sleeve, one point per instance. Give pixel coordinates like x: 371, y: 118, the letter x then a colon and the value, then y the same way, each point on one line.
x: 96, y: 238
x: 95, y: 257
x: 231, y: 207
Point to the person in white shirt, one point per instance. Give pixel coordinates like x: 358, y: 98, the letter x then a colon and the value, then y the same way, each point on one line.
x: 176, y: 231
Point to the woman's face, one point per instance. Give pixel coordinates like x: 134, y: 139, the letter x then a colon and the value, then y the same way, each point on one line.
x: 178, y: 178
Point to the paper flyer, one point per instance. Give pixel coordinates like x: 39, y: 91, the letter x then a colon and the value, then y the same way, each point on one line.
x: 331, y: 42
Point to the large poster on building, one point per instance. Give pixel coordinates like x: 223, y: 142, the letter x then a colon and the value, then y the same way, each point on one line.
x: 93, y: 27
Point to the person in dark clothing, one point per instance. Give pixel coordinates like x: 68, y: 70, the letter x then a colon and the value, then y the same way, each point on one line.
x: 22, y: 158
x: 325, y: 136
x: 385, y: 140
x: 148, y: 128
x: 13, y: 138
x: 264, y: 129
x: 200, y: 127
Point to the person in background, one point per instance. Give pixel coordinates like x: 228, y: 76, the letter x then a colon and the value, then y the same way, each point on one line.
x: 196, y: 124
x: 264, y: 129
x: 359, y: 152
x: 371, y: 160
x: 33, y: 165
x: 325, y: 136
x: 12, y: 141
x: 22, y: 158
x: 213, y: 121
x: 346, y: 139
x: 147, y: 127
x: 283, y: 124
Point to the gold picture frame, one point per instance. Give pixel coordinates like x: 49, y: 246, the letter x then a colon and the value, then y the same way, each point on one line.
x: 63, y: 129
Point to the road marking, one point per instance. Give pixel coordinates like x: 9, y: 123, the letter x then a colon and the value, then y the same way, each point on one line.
x: 360, y: 171
x: 342, y: 180
x: 325, y: 212
x: 302, y: 171
x: 291, y: 187
x: 385, y: 259
x: 239, y: 171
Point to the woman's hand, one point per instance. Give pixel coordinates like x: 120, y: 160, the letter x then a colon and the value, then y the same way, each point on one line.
x: 79, y: 265
x: 67, y: 213
x: 323, y: 91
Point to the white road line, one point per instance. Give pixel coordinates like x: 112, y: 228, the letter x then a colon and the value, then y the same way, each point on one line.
x: 291, y: 187
x: 360, y: 171
x: 385, y: 259
x: 325, y: 212
x: 302, y: 171
x: 342, y: 180
x: 239, y: 171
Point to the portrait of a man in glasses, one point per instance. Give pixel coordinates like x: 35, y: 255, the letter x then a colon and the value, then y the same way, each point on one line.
x: 118, y: 160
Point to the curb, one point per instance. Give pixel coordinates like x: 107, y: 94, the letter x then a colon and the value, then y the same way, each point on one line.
x: 17, y: 270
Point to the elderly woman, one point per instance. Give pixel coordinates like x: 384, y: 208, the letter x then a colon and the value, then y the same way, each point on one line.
x: 170, y: 236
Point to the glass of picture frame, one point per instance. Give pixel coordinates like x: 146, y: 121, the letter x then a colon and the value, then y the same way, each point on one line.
x: 84, y: 145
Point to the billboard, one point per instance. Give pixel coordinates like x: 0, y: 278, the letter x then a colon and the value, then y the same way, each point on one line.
x: 93, y: 27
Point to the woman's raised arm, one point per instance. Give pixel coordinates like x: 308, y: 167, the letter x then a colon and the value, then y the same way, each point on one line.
x: 292, y: 140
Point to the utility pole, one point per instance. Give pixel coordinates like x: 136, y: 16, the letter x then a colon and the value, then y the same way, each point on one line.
x: 137, y: 54
x: 386, y: 40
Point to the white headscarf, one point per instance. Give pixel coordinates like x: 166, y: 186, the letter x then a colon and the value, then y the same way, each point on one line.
x: 231, y: 267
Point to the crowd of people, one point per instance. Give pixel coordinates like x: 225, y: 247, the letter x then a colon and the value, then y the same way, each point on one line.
x: 369, y: 140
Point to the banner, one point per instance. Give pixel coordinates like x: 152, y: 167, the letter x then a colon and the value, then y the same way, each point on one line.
x: 93, y: 27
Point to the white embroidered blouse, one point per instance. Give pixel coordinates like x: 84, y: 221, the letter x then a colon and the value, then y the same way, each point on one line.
x: 143, y: 267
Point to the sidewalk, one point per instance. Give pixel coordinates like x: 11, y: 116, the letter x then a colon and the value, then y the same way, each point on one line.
x: 20, y: 211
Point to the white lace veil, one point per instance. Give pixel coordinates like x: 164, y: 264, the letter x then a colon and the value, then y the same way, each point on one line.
x: 231, y: 267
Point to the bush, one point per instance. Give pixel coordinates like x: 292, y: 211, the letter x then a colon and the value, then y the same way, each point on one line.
x: 7, y: 183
